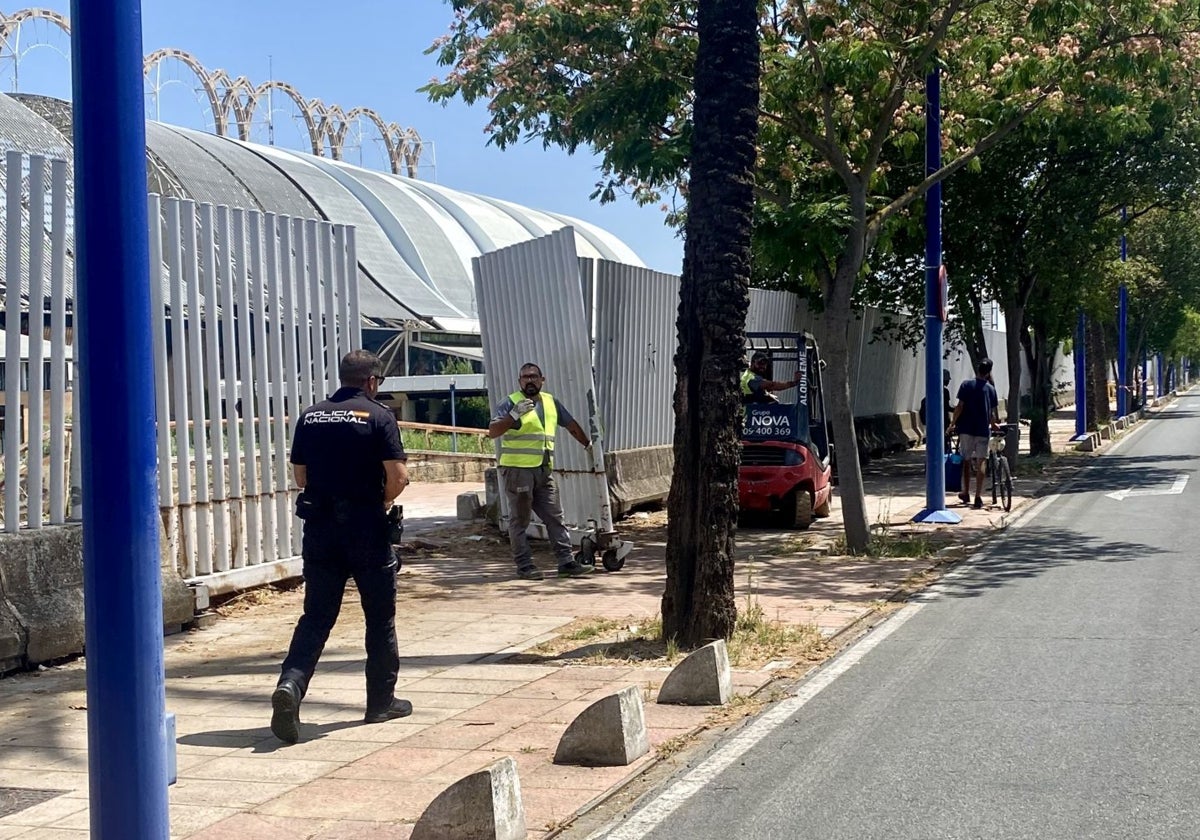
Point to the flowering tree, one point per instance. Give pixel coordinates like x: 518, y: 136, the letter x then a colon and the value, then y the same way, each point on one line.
x: 841, y: 112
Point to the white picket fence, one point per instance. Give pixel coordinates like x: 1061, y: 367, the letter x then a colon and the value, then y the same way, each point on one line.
x: 259, y: 309
x: 37, y: 368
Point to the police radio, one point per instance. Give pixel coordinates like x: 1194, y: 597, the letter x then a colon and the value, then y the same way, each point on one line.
x: 395, y: 519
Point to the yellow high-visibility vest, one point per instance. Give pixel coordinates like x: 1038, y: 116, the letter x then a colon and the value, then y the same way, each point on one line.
x: 747, y: 375
x: 526, y: 445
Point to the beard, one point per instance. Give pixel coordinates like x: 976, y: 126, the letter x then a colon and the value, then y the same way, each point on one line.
x: 530, y: 389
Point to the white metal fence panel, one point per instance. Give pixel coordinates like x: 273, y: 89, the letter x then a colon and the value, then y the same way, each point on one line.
x: 231, y: 378
x: 37, y: 362
x: 635, y: 338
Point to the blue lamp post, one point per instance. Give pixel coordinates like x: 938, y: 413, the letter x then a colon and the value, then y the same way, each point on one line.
x: 935, y: 316
x: 127, y: 759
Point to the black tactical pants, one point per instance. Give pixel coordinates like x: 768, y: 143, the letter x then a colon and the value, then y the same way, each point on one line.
x: 333, y: 554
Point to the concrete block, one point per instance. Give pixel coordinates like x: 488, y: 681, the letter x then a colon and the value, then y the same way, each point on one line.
x: 483, y: 806
x: 1089, y: 444
x: 1106, y: 431
x: 609, y: 733
x: 41, y: 595
x: 468, y: 506
x: 704, y: 678
x: 638, y: 476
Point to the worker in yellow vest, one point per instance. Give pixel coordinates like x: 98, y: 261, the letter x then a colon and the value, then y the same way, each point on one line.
x: 526, y: 423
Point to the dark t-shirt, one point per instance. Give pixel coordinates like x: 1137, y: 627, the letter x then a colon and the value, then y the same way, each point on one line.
x: 343, y: 442
x: 979, y: 401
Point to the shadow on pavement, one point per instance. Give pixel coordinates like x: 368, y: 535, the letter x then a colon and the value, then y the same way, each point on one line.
x: 1034, y: 550
x: 1117, y: 472
x: 260, y: 738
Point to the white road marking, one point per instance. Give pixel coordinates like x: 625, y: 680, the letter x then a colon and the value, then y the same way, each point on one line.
x: 646, y: 819
x: 1175, y: 489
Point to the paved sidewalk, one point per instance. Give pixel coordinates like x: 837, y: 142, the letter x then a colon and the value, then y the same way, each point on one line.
x: 461, y: 618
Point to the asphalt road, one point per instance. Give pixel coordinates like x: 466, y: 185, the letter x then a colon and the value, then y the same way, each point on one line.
x: 1049, y: 689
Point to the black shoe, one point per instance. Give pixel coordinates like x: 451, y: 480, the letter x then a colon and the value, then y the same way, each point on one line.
x: 965, y: 498
x: 574, y: 569
x: 285, y: 720
x: 978, y: 503
x: 398, y: 709
x: 530, y: 573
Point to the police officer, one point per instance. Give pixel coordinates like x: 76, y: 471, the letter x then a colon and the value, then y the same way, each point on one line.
x: 526, y: 423
x: 756, y: 387
x: 350, y: 466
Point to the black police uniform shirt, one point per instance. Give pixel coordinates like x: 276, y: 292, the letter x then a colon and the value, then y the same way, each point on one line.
x: 343, y: 442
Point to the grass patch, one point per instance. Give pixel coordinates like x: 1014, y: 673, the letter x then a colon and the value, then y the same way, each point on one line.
x: 671, y: 746
x: 890, y: 543
x: 415, y: 440
x: 756, y: 640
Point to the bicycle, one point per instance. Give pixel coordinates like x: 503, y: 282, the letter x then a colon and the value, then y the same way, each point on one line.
x: 997, y: 467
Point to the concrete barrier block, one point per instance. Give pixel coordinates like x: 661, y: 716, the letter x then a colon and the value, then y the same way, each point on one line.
x: 1106, y: 431
x: 910, y: 427
x: 704, y: 678
x: 638, y: 476
x: 482, y: 806
x: 469, y: 506
x: 609, y: 733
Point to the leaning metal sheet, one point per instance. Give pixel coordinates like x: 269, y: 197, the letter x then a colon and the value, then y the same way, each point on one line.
x: 24, y: 131
x: 394, y: 290
x: 531, y: 309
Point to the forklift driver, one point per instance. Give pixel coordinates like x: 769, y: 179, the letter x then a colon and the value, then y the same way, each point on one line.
x: 756, y: 387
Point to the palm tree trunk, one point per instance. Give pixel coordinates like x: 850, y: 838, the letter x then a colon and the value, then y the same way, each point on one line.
x: 698, y: 601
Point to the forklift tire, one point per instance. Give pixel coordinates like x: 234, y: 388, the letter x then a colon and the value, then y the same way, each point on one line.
x: 797, y: 511
x: 611, y: 561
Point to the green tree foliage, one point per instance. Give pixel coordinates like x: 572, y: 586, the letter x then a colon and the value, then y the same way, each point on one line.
x: 841, y: 112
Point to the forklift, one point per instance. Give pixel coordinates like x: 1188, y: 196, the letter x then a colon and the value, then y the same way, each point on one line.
x: 786, y: 468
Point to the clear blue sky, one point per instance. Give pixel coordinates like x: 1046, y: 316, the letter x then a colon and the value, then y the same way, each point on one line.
x: 358, y: 52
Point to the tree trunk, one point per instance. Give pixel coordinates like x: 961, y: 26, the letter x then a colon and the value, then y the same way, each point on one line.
x: 839, y: 316
x: 1099, y: 412
x: 698, y: 601
x: 1014, y: 325
x: 1037, y: 352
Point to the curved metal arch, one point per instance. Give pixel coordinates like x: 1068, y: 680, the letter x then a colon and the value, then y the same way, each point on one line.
x: 332, y: 128
x: 239, y: 97
x: 409, y: 148
x: 220, y: 122
x: 311, y: 110
x: 9, y: 23
x: 235, y: 95
x: 388, y: 132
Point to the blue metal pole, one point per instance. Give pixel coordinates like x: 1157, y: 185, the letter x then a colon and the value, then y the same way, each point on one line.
x: 1122, y: 336
x: 453, y: 418
x: 1080, y: 353
x: 935, y: 307
x: 127, y: 758
x: 1159, y: 378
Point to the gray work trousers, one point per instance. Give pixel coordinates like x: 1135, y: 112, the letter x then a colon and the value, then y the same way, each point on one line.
x: 531, y: 490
